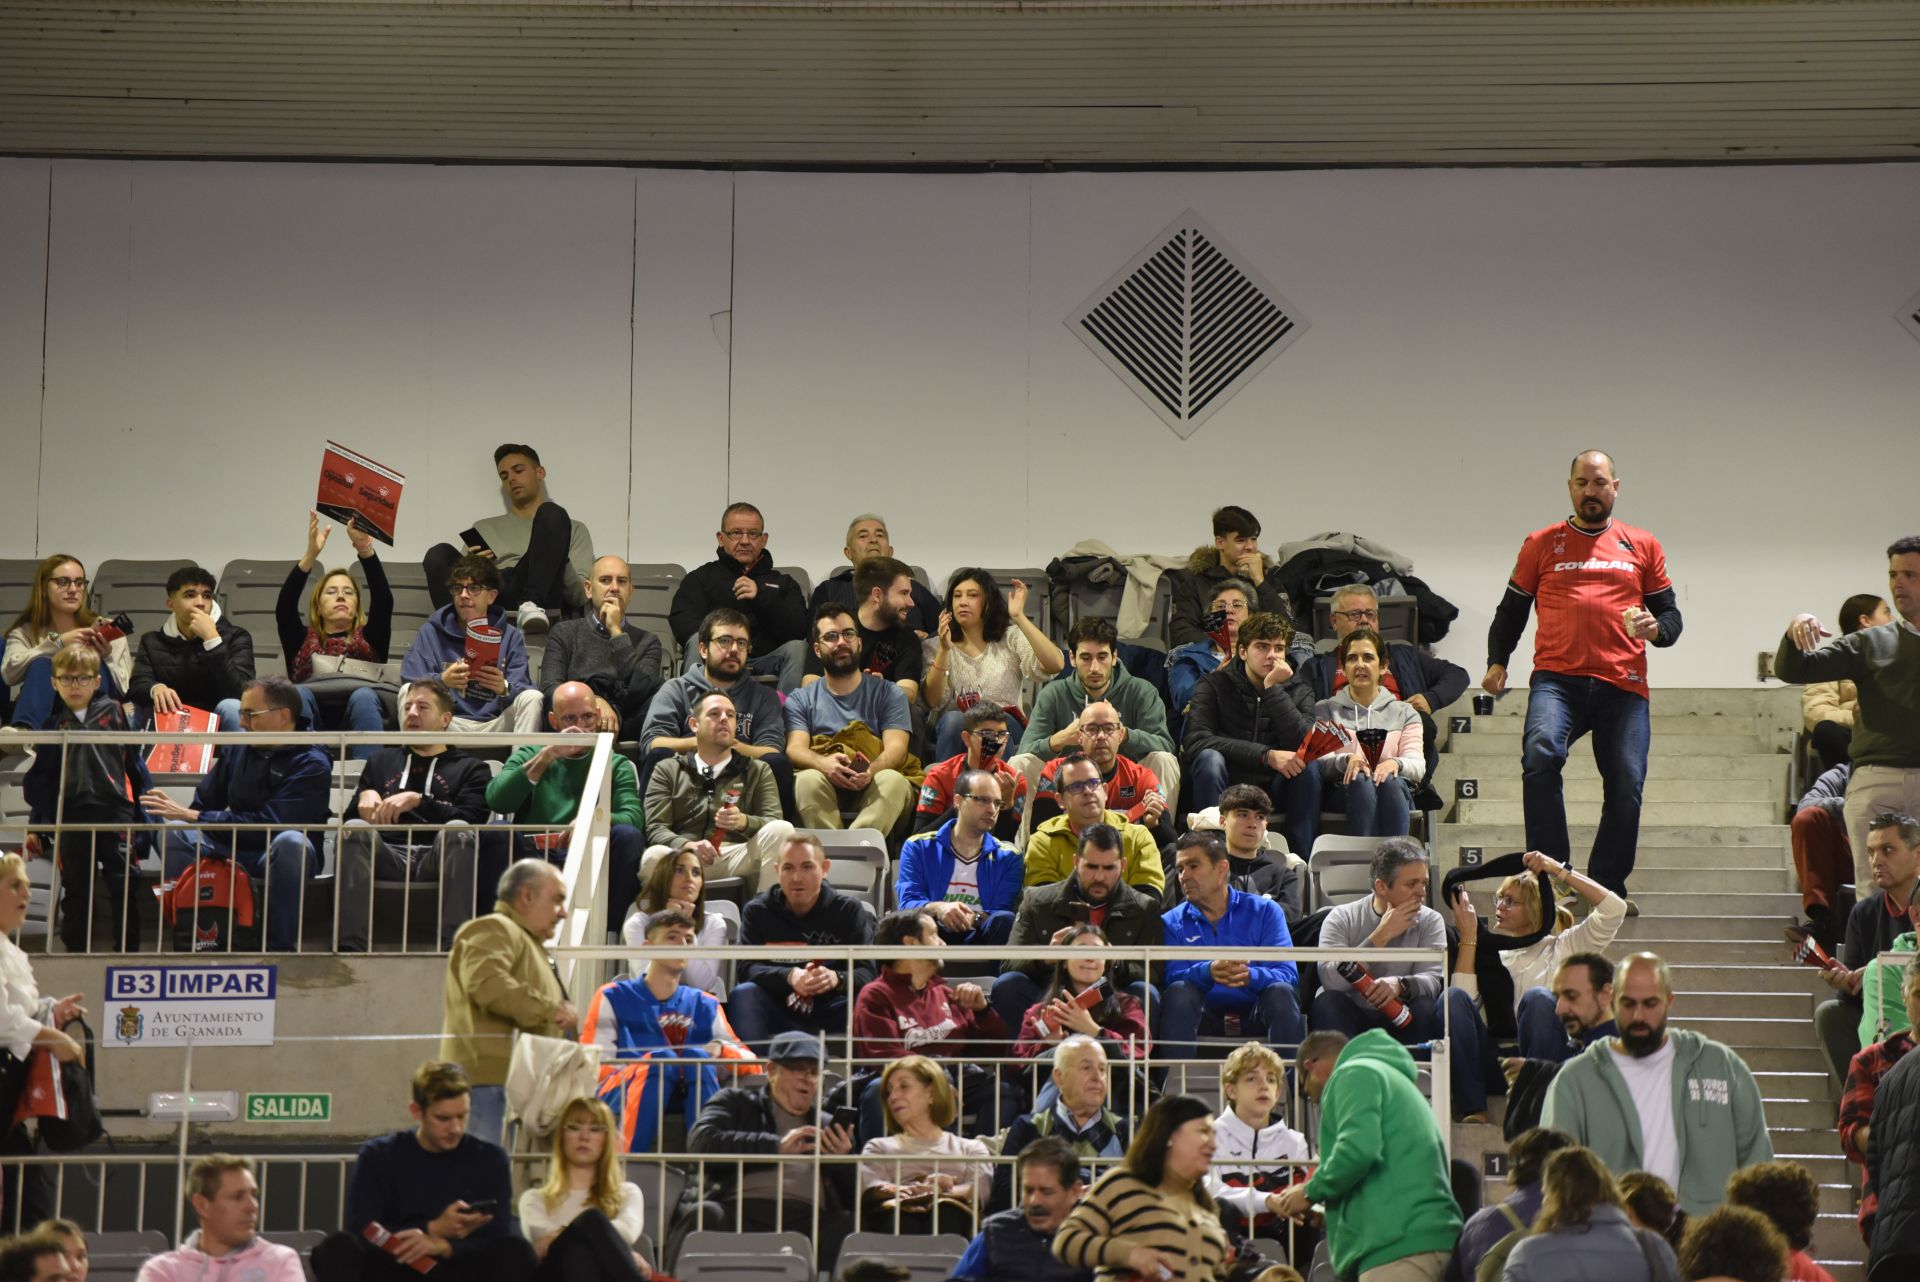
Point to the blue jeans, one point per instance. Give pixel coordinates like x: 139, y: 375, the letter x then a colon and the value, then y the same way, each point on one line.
x: 1208, y: 774
x: 1186, y: 1013
x: 1474, y: 1061
x: 37, y: 700
x: 756, y: 1015
x: 1372, y: 810
x: 1559, y: 710
x: 995, y: 930
x: 285, y: 864
x: 1541, y: 1034
x: 487, y: 1112
x: 363, y: 713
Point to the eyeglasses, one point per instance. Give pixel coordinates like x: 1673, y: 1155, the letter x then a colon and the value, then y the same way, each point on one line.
x: 585, y: 1128
x: 831, y: 638
x: 1358, y: 616
x: 1100, y: 727
x: 466, y: 589
x: 991, y: 803
x: 728, y: 643
x: 79, y: 679
x: 1505, y: 901
x: 250, y: 714
x: 743, y: 536
x: 63, y: 581
x: 588, y: 718
x: 1081, y: 787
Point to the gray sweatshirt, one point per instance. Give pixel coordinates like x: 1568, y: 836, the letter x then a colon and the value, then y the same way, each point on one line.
x: 762, y: 722
x: 1348, y: 927
x: 627, y: 667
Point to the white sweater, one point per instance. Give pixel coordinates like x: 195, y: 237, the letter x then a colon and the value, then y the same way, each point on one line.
x: 1244, y: 1187
x: 1533, y: 966
x: 537, y: 1222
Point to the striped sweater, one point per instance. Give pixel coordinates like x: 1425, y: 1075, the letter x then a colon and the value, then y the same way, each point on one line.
x: 1122, y: 1212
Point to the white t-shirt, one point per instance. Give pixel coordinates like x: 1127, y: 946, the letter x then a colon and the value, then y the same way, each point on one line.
x: 964, y: 886
x: 1650, y: 1082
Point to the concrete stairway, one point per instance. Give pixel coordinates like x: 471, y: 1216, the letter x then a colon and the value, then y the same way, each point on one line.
x: 1714, y: 883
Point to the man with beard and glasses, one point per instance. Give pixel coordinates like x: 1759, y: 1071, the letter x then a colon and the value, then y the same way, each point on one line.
x: 1603, y: 593
x: 1017, y: 1245
x: 760, y: 726
x: 834, y: 759
x: 985, y: 732
x: 1666, y: 1100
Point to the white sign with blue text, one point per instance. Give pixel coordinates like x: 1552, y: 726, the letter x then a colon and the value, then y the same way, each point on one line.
x: 175, y: 1005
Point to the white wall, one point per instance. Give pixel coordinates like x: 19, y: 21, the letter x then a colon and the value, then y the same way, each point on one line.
x: 827, y: 343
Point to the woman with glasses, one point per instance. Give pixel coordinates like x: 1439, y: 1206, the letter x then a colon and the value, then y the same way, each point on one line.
x: 56, y: 615
x: 337, y: 631
x: 680, y: 883
x: 1381, y: 758
x: 985, y: 649
x: 584, y: 1219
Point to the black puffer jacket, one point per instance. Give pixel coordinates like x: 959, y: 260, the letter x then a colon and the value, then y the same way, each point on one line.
x: 1893, y: 1167
x: 776, y: 613
x: 201, y: 677
x: 1241, y: 723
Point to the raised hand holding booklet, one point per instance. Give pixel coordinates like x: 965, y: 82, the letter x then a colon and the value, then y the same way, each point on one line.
x: 355, y: 488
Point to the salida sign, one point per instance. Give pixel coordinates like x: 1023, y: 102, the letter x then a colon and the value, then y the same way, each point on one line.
x: 298, y: 1106
x: 175, y: 1005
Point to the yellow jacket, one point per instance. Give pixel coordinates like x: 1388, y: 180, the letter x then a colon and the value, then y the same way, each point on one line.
x: 1837, y: 701
x: 499, y: 978
x: 1051, y: 849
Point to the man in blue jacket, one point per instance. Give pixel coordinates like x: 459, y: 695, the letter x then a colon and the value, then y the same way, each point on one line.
x: 1214, y: 995
x: 285, y: 788
x: 961, y: 875
x: 492, y: 696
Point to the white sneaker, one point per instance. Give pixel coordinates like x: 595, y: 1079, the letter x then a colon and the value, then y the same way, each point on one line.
x: 532, y: 619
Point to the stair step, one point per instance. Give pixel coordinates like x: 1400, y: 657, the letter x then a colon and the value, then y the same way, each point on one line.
x: 1835, y: 1234
x: 1641, y: 934
x: 1497, y: 838
x: 1804, y: 1114
x: 1652, y: 813
x: 1703, y: 902
x: 1742, y: 1032
x: 1701, y: 947
x: 1664, y: 723
x: 1749, y: 744
x: 1760, y: 767
x: 1818, y: 1152
x: 1750, y: 1003
x: 1702, y: 880
x: 1588, y: 790
x: 1799, y: 980
x: 1777, y: 1084
x: 1771, y: 701
x: 1840, y: 1199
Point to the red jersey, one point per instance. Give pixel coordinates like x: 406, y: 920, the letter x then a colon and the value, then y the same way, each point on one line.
x: 1581, y: 581
x: 1127, y: 787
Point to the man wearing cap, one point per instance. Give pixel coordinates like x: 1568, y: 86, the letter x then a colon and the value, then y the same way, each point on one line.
x: 788, y: 1113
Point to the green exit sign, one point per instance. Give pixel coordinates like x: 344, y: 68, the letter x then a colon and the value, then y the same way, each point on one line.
x: 309, y: 1106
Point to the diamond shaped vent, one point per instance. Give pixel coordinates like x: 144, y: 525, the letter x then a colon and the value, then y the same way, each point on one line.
x: 1909, y: 316
x: 1186, y: 324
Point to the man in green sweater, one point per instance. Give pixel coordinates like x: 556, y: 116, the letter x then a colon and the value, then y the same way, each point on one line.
x: 1884, y: 665
x: 1383, y: 1174
x: 1098, y: 676
x: 1661, y: 1099
x: 545, y: 785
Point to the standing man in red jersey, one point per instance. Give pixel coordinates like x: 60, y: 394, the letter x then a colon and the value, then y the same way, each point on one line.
x: 1603, y: 593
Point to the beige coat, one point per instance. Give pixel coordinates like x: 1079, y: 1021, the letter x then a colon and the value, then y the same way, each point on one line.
x: 499, y: 978
x: 1828, y: 701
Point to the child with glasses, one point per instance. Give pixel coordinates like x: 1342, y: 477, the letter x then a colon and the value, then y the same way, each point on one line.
x: 87, y: 783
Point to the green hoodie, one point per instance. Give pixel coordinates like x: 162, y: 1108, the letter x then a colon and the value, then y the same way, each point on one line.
x: 1142, y: 711
x: 1719, y: 1123
x: 1383, y: 1169
x: 556, y: 798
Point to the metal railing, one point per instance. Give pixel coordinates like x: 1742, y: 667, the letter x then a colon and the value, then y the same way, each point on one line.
x: 585, y: 864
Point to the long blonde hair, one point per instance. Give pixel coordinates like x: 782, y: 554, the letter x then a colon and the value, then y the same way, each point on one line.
x: 314, y: 617
x: 37, y: 618
x: 604, y: 1193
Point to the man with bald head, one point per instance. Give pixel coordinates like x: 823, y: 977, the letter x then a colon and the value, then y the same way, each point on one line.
x: 619, y: 662
x: 545, y: 785
x: 1660, y: 1099
x: 1603, y: 594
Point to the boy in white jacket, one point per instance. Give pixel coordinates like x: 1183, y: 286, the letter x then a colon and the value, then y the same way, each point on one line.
x: 1246, y: 1140
x: 225, y: 1248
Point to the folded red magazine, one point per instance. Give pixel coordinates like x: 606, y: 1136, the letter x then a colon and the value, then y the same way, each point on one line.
x: 483, y: 645
x: 182, y: 758
x: 1323, y: 740
x: 355, y: 488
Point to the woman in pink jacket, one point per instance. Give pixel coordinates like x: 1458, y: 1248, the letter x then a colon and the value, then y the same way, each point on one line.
x: 1372, y: 779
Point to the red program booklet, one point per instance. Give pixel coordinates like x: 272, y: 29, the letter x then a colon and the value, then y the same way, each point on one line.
x: 483, y: 645
x: 182, y: 758
x: 355, y: 488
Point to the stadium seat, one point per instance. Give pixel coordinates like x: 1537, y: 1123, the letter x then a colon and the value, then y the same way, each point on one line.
x: 16, y: 583
x: 1337, y: 870
x: 1039, y: 608
x: 799, y: 575
x: 929, y: 1258
x: 857, y: 863
x: 653, y: 587
x: 746, y: 1267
